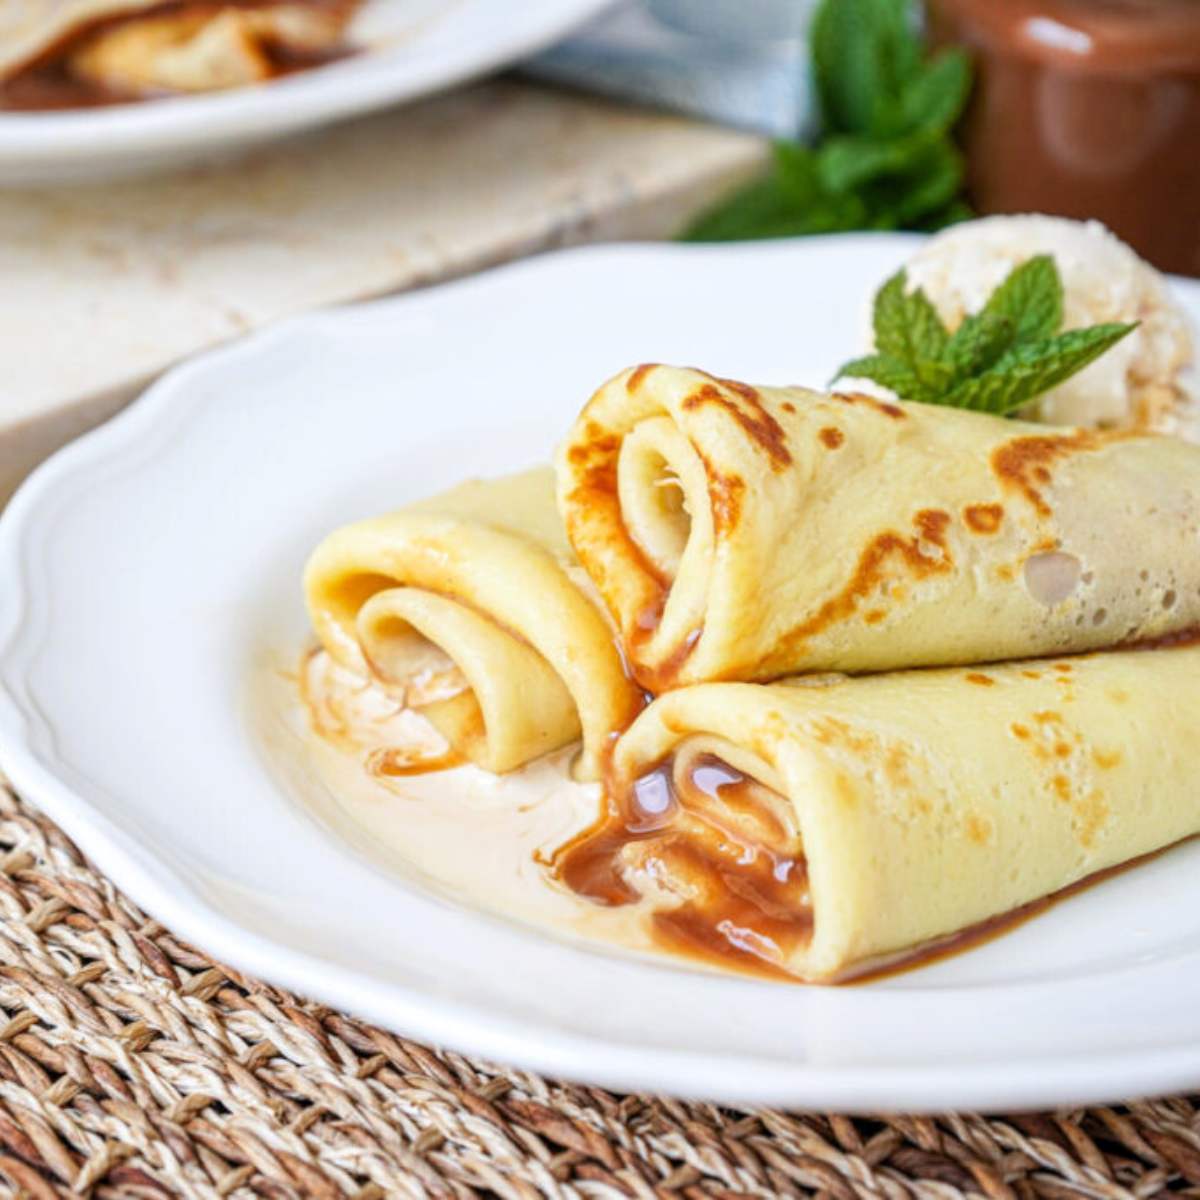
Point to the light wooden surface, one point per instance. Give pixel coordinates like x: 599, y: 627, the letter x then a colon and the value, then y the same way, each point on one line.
x: 106, y: 285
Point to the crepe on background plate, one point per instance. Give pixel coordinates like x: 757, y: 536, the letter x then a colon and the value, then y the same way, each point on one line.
x: 142, y: 48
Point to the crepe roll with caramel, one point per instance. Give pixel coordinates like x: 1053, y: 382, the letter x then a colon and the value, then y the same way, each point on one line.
x: 748, y: 533
x: 464, y: 607
x: 68, y: 53
x: 824, y: 830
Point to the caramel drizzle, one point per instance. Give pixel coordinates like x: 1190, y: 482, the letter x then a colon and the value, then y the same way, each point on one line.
x: 750, y: 908
x: 395, y: 762
x: 745, y: 903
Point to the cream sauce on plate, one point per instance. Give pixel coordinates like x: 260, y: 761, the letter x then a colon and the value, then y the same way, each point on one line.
x: 476, y: 838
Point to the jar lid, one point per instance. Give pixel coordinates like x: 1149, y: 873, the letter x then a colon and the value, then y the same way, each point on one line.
x: 1119, y: 36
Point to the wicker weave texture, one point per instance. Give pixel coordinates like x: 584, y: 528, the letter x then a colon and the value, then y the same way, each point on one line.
x: 132, y: 1066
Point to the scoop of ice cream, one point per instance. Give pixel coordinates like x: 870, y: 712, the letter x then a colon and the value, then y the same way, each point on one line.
x: 1146, y: 381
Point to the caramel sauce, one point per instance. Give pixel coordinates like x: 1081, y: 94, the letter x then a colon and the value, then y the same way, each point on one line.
x: 394, y: 762
x: 1182, y: 637
x: 662, y: 676
x: 46, y: 84
x: 742, y: 880
x: 354, y: 713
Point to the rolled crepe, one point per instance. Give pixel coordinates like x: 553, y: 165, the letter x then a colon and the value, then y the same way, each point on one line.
x: 152, y: 46
x: 465, y: 606
x: 750, y: 533
x: 823, y: 830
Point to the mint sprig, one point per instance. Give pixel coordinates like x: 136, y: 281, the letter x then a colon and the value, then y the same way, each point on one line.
x: 885, y: 160
x: 997, y: 360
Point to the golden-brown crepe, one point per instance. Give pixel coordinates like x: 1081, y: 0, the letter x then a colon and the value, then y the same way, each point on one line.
x: 465, y: 606
x: 750, y: 533
x: 129, y: 48
x: 825, y: 829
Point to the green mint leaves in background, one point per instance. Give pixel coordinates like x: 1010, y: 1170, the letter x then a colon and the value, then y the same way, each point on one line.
x: 997, y: 360
x: 885, y: 160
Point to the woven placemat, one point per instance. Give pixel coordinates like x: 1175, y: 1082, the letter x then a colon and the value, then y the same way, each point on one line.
x: 133, y: 1066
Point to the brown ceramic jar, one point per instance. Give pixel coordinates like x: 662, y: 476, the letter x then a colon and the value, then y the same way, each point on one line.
x: 1086, y: 108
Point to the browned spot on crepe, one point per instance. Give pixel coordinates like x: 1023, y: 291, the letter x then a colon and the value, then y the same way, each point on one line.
x: 595, y: 459
x: 638, y: 376
x: 1090, y: 813
x: 880, y: 406
x: 725, y: 492
x: 872, y: 569
x: 1024, y: 464
x: 978, y: 829
x: 748, y: 411
x: 983, y: 518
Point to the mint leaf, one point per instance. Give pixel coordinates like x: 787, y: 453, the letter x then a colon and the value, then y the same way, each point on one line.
x: 934, y: 97
x: 1028, y: 305
x: 846, y: 162
x: 863, y: 51
x: 978, y: 342
x: 766, y: 209
x: 760, y: 210
x: 928, y: 186
x: 1028, y: 370
x: 907, y: 326
x: 887, y: 372
x: 885, y: 160
x: 790, y: 201
x: 997, y: 360
x: 1031, y: 297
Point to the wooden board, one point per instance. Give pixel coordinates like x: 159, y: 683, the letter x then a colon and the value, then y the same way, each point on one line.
x: 106, y: 285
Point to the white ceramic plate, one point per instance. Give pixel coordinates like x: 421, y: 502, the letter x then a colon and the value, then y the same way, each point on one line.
x: 409, y: 48
x: 151, y: 569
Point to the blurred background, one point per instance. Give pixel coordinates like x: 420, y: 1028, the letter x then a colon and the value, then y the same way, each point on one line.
x: 170, y: 179
x: 1081, y: 108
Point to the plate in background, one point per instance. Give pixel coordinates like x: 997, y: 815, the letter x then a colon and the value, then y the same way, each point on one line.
x: 151, y: 576
x: 409, y: 48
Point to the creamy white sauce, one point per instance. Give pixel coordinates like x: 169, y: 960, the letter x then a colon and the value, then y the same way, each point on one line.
x: 480, y: 839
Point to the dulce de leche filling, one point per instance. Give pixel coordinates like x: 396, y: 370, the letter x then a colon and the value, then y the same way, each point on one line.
x: 715, y: 852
